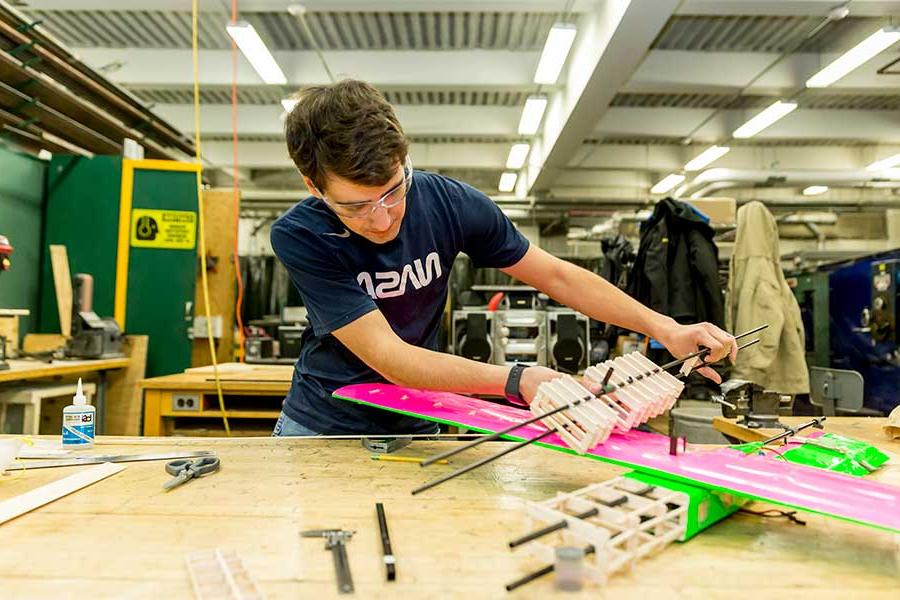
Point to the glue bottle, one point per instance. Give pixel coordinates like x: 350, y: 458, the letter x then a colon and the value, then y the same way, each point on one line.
x: 78, y: 422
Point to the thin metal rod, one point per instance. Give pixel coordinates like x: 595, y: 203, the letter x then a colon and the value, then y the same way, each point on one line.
x: 498, y: 434
x: 817, y: 422
x: 540, y: 573
x: 551, y: 528
x: 493, y: 436
x: 481, y: 462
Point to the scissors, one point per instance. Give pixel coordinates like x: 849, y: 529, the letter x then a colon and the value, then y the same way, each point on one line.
x: 185, y: 470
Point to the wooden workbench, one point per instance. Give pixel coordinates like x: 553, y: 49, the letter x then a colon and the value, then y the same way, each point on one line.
x: 116, y: 378
x: 22, y: 370
x: 125, y: 538
x: 253, y: 394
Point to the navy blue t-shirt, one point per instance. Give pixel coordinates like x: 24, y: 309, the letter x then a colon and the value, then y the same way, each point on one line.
x: 342, y: 276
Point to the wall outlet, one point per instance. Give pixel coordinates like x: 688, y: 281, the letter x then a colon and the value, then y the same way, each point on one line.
x: 186, y: 402
x: 199, y: 328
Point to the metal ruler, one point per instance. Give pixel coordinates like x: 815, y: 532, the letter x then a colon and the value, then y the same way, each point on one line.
x: 108, y: 458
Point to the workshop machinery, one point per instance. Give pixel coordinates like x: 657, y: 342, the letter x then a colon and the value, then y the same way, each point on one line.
x: 92, y: 336
x: 568, y: 340
x: 850, y: 317
x: 276, y: 340
x: 517, y: 327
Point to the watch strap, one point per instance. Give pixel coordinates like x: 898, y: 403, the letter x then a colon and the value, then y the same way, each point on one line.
x: 513, y: 381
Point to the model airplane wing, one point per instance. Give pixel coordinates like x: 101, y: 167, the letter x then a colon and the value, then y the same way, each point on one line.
x: 724, y: 469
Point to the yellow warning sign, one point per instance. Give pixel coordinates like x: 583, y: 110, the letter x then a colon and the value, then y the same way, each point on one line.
x: 173, y: 229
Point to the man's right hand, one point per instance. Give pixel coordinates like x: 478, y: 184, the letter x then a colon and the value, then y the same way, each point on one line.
x: 532, y: 377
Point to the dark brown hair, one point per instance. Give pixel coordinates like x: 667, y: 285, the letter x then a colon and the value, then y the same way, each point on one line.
x: 346, y: 129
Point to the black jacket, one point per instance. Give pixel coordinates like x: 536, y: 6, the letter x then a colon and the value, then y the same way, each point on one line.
x: 676, y: 270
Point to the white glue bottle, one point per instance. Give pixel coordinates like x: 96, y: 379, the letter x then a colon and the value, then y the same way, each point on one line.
x: 78, y: 422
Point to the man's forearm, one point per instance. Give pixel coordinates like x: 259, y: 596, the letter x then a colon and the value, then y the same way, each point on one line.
x: 425, y: 369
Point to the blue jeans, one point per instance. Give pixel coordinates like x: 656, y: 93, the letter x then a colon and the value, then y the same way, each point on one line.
x: 287, y: 427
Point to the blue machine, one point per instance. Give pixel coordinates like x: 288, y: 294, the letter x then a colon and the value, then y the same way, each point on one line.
x: 862, y: 323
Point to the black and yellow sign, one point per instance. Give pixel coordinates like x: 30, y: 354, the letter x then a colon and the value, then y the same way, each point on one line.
x: 173, y: 229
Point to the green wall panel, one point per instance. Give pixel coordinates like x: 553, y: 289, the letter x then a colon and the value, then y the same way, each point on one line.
x: 22, y: 180
x: 83, y: 214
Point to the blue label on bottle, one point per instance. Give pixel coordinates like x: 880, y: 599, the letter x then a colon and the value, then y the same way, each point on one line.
x: 78, y: 428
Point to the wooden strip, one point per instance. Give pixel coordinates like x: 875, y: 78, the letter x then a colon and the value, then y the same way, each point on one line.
x: 19, y: 505
x: 62, y: 283
x: 219, y: 215
x: 740, y: 432
x: 123, y: 410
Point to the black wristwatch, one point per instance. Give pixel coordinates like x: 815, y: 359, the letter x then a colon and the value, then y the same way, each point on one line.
x: 511, y: 391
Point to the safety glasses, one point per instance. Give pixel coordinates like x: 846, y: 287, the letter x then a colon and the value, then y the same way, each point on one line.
x: 391, y: 198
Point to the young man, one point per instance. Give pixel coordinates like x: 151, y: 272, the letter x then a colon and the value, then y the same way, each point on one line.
x: 370, y: 253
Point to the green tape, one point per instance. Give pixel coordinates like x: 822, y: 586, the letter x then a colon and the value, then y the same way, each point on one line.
x: 705, y: 507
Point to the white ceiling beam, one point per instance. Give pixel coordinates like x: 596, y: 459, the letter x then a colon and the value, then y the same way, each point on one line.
x: 450, y: 120
x: 669, y: 158
x: 494, y: 68
x: 274, y: 155
x: 245, y: 6
x: 696, y: 72
x: 859, y: 8
x: 882, y: 125
x: 611, y: 43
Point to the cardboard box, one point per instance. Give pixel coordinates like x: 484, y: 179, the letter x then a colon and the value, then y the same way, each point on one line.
x: 721, y: 211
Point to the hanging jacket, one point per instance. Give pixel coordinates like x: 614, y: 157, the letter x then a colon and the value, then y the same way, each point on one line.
x: 757, y: 294
x: 676, y: 269
x: 618, y: 256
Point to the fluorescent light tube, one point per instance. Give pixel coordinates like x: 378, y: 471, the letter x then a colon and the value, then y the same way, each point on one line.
x: 764, y: 119
x: 507, y: 182
x: 815, y: 190
x: 289, y: 104
x: 860, y: 54
x: 517, y: 155
x: 701, y: 192
x: 556, y: 50
x: 255, y: 51
x: 710, y: 155
x: 532, y: 115
x: 885, y: 163
x: 667, y: 183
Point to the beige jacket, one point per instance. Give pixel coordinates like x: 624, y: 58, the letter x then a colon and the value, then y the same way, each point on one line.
x: 757, y: 294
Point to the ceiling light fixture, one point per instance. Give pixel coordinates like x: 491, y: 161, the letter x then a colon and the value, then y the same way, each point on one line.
x: 860, y: 54
x: 556, y: 50
x: 256, y: 52
x: 507, y: 182
x: 667, y: 183
x: 710, y: 155
x: 774, y: 112
x: 815, y: 190
x: 517, y: 155
x: 532, y: 114
x: 885, y: 163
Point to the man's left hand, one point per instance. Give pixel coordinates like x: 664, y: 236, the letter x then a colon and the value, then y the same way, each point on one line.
x: 682, y: 340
